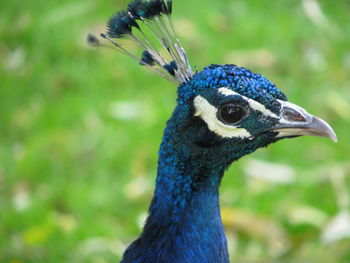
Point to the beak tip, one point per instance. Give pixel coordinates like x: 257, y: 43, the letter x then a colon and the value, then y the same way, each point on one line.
x: 327, y: 129
x: 333, y: 137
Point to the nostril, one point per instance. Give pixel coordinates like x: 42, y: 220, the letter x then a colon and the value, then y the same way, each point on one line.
x: 292, y: 115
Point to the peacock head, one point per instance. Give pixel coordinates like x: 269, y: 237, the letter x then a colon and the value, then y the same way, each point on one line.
x: 233, y: 111
x: 225, y: 108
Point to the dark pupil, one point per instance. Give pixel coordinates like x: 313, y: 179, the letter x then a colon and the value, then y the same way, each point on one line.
x: 231, y: 114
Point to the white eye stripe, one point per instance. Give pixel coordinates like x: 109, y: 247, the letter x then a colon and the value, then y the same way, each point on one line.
x: 208, y: 113
x: 252, y: 103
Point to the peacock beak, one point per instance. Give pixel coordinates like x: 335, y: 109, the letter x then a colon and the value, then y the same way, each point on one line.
x: 295, y: 121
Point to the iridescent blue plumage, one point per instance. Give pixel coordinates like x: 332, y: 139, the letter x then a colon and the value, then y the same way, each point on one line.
x: 171, y: 67
x: 121, y: 24
x: 149, y: 9
x: 223, y: 113
x: 147, y: 58
x: 241, y: 80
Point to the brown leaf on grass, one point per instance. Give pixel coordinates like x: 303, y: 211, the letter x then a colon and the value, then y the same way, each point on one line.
x: 257, y: 226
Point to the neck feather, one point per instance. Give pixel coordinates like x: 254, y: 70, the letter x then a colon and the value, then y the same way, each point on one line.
x: 184, y: 223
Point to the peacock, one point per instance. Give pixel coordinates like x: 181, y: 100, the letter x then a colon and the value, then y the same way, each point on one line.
x: 223, y: 113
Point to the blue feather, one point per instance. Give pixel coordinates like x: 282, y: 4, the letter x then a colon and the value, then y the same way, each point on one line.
x: 149, y: 9
x: 147, y: 58
x: 120, y: 24
x: 93, y: 40
x: 171, y: 67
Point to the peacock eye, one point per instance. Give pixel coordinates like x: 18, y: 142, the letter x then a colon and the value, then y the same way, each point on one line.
x: 230, y: 113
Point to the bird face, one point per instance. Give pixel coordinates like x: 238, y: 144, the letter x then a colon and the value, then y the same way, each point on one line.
x: 240, y: 111
x: 230, y: 114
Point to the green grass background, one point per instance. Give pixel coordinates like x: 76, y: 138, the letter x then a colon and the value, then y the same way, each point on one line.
x: 77, y: 171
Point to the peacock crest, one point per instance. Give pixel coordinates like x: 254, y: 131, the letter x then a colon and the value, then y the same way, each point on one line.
x: 148, y: 25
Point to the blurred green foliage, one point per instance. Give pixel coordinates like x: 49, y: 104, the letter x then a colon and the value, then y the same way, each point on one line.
x: 80, y: 129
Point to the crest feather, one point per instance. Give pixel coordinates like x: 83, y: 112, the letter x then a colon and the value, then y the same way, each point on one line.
x: 148, y: 24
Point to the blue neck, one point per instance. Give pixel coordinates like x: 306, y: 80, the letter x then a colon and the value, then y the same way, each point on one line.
x: 184, y: 223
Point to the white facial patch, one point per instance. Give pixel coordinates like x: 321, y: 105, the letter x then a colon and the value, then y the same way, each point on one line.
x: 208, y: 113
x: 252, y: 103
